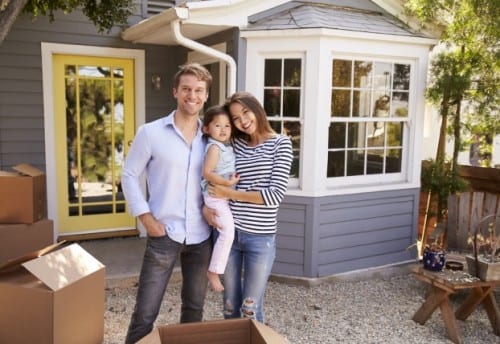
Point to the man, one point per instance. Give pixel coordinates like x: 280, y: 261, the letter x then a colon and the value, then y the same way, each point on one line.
x: 170, y: 151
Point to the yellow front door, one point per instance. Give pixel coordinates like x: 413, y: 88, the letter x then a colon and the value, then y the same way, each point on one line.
x: 94, y: 124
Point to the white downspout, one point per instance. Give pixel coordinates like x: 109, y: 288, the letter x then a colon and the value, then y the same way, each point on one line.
x: 188, y: 43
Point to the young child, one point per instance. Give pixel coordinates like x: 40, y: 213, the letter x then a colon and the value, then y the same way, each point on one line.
x: 218, y: 168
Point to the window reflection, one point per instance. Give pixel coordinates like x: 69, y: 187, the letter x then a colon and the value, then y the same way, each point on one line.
x: 367, y: 99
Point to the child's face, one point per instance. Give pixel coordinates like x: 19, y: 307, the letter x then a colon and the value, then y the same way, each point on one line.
x: 219, y: 128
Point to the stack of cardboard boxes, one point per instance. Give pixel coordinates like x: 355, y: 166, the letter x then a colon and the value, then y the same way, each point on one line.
x: 24, y: 226
x: 49, y: 293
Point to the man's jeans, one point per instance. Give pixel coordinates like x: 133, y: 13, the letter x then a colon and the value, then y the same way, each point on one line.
x: 252, y: 255
x: 159, y: 260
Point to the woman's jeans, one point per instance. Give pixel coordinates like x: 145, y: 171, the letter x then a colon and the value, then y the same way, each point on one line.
x: 247, y: 272
x: 159, y: 260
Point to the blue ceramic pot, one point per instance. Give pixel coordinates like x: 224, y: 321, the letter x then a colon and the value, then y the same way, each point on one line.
x: 434, y: 260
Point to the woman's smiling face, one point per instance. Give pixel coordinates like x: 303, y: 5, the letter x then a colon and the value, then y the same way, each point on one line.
x: 243, y: 118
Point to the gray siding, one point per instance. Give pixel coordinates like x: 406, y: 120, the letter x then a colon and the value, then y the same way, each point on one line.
x: 329, y: 235
x: 21, y: 96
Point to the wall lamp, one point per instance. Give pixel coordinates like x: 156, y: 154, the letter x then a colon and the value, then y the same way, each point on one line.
x: 156, y: 82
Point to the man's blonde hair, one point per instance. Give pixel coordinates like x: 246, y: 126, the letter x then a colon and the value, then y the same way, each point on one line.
x: 195, y: 69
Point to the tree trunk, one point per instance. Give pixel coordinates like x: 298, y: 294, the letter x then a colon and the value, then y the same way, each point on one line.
x: 9, y: 10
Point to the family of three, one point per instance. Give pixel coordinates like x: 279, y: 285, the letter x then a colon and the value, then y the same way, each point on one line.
x: 229, y: 172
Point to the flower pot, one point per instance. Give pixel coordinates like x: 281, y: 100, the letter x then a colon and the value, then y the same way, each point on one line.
x: 487, y: 271
x: 433, y: 260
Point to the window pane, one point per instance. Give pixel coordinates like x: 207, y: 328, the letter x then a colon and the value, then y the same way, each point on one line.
x: 335, y: 164
x: 382, y: 76
x: 381, y: 105
x: 356, y: 135
x: 376, y: 137
x: 394, y: 134
x: 336, y: 138
x: 355, y: 163
x: 276, y: 125
x: 375, y: 161
x: 291, y: 103
x: 118, y: 73
x: 69, y: 70
x: 272, y: 72
x: 361, y: 104
x: 94, y: 71
x: 292, y: 130
x: 362, y: 74
x: 341, y: 73
x: 341, y: 103
x: 272, y: 103
x: 292, y: 72
x: 393, y: 161
x: 399, y: 104
x: 401, y: 77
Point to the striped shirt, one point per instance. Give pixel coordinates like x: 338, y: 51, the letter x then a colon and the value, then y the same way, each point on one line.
x: 264, y: 168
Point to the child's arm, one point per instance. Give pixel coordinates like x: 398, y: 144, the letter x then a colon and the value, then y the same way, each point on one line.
x: 211, y: 158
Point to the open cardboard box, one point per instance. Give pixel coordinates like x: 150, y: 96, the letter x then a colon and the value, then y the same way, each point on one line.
x: 23, y: 195
x: 231, y: 331
x: 54, y: 295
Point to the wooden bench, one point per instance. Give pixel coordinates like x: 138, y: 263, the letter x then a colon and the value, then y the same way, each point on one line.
x: 465, y: 211
x: 446, y: 283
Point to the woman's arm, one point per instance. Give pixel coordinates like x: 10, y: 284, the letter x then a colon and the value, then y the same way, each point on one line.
x: 220, y: 191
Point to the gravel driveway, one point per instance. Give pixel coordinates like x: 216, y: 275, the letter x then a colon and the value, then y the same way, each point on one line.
x: 377, y: 310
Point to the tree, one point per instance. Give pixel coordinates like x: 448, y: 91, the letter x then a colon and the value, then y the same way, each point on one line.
x: 103, y: 14
x: 466, y: 71
x: 464, y: 76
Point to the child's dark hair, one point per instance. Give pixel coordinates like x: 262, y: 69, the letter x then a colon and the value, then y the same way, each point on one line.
x: 213, y: 111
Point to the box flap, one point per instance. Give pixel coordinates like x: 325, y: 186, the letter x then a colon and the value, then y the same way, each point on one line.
x: 152, y: 338
x: 63, y: 267
x: 268, y: 334
x: 27, y: 170
x: 8, y: 174
x: 13, y: 263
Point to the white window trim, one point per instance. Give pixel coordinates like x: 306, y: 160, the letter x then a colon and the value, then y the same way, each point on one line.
x: 49, y: 49
x: 369, y: 179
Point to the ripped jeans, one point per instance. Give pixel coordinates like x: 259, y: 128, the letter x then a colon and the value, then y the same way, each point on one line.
x: 247, y: 271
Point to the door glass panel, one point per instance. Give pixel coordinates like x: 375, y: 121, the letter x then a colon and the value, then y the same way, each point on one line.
x: 95, y: 138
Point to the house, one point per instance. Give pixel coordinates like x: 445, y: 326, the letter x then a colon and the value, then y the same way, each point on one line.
x: 344, y: 79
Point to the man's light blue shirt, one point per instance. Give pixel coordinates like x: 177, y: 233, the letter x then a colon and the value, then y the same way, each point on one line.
x: 173, y: 173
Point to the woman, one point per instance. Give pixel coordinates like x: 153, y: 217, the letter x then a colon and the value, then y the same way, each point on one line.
x: 263, y: 161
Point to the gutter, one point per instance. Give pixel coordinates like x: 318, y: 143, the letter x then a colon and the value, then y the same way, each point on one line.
x: 189, y: 43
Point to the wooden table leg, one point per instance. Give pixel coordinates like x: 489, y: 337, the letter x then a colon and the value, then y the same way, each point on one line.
x: 491, y: 307
x: 477, y: 296
x: 434, y: 299
x: 449, y: 321
x: 474, y: 299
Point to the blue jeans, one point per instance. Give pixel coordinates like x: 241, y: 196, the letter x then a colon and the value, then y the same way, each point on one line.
x: 247, y: 271
x: 159, y: 260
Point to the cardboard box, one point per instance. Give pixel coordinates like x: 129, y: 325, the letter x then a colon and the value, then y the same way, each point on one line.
x: 16, y: 240
x: 23, y: 195
x: 231, y: 331
x: 53, y: 296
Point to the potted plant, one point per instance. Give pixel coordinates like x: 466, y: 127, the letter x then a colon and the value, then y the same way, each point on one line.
x: 434, y: 257
x: 486, y: 264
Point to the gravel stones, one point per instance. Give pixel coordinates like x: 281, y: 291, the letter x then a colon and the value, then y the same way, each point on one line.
x: 378, y: 310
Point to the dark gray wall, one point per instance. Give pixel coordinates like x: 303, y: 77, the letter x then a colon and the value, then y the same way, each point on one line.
x: 329, y: 235
x: 21, y: 97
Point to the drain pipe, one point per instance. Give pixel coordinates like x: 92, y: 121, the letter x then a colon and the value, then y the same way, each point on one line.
x: 189, y: 43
